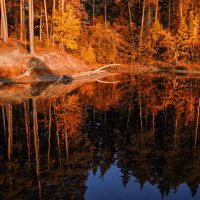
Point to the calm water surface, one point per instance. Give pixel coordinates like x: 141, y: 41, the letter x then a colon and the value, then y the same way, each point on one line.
x: 135, y: 139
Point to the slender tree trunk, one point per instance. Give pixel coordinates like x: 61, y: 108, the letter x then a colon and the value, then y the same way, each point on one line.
x: 31, y: 27
x: 156, y: 13
x: 181, y: 8
x: 46, y: 20
x: 21, y: 20
x: 131, y: 23
x: 63, y: 7
x: 4, y: 25
x: 41, y: 22
x: 52, y: 20
x: 105, y: 11
x: 142, y: 23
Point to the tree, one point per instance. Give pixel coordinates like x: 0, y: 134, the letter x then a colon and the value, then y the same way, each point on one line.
x: 67, y: 27
x: 4, y: 25
x: 193, y: 29
x: 46, y: 19
x: 31, y: 26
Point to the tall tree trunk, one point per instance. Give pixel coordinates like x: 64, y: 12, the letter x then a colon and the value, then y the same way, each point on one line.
x: 181, y: 8
x: 131, y: 23
x: 41, y: 21
x: 156, y: 13
x: 142, y: 23
x: 4, y: 25
x: 31, y: 27
x: 21, y: 20
x: 52, y: 19
x: 46, y: 20
x: 105, y: 11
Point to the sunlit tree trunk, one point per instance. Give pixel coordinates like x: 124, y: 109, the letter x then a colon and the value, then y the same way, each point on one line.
x: 46, y: 20
x: 142, y: 23
x: 156, y: 12
x: 21, y: 19
x: 41, y: 21
x: 52, y: 20
x: 31, y: 27
x: 181, y: 8
x: 131, y: 23
x: 105, y: 10
x: 4, y: 25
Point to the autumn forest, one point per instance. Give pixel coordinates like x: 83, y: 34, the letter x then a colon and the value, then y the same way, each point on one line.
x: 100, y: 99
x: 107, y: 31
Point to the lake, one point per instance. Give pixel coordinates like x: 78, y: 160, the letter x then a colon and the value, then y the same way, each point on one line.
x: 124, y: 137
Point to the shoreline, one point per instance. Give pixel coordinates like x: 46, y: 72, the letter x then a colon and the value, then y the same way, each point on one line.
x: 50, y: 65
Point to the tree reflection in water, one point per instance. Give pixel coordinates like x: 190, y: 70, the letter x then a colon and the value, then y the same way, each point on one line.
x: 146, y: 125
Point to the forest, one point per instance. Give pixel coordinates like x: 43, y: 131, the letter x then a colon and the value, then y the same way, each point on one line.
x: 107, y: 31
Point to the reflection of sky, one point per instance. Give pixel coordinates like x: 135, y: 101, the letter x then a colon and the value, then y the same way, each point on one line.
x: 110, y: 187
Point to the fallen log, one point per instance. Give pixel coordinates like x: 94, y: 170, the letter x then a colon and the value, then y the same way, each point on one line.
x: 65, y: 78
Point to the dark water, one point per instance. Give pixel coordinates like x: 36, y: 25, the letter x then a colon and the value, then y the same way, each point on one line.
x: 135, y: 139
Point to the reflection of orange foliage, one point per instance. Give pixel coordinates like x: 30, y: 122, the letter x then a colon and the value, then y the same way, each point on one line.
x: 190, y: 111
x: 68, y: 112
x: 88, y: 90
x: 101, y: 96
